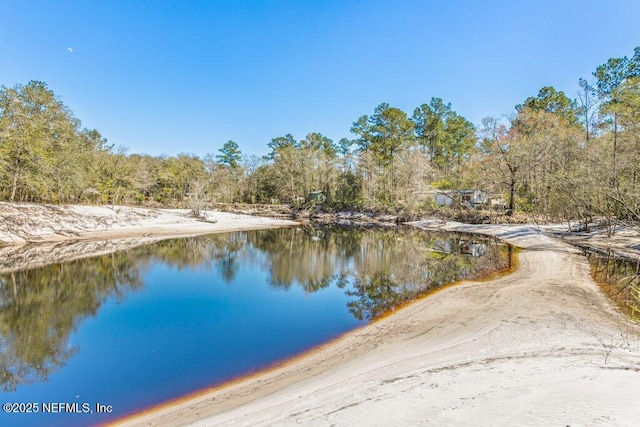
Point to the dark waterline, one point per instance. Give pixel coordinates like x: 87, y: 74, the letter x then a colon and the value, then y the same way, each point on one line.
x: 138, y: 327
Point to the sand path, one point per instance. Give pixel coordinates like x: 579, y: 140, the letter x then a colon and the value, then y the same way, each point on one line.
x: 541, y: 346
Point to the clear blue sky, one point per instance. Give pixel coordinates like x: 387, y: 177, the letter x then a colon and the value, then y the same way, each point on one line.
x: 186, y: 76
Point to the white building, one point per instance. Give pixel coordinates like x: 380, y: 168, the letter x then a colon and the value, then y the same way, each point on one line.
x: 468, y: 198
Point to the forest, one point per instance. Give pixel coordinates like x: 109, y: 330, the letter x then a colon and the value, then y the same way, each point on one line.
x: 553, y: 158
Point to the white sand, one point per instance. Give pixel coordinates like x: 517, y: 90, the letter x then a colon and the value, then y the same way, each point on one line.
x: 541, y: 346
x: 63, y: 233
x: 22, y: 223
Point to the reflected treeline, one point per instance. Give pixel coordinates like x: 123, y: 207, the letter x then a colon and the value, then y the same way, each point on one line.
x: 310, y: 258
x: 620, y: 280
x: 379, y: 269
x: 40, y: 308
x: 213, y: 252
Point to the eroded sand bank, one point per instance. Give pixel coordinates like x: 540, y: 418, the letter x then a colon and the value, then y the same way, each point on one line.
x: 541, y: 346
x: 33, y: 235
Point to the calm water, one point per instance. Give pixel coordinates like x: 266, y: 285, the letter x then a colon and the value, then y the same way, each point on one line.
x: 139, y: 327
x: 620, y: 279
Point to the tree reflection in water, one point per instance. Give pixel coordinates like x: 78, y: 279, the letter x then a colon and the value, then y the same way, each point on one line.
x: 379, y: 269
x: 41, y: 307
x: 385, y: 268
x: 620, y: 280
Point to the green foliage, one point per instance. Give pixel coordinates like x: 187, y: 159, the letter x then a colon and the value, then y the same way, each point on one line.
x: 44, y: 155
x: 280, y: 144
x: 266, y: 188
x: 554, y: 102
x: 344, y: 146
x: 618, y: 86
x: 383, y: 133
x: 230, y: 155
x: 616, y: 70
x: 380, y: 138
x: 317, y: 141
x: 349, y: 191
x: 447, y: 137
x: 295, y: 169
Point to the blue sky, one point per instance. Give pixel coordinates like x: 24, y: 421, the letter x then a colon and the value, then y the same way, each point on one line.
x: 186, y: 76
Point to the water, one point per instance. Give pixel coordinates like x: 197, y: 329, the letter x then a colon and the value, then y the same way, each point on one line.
x: 138, y: 327
x: 619, y: 278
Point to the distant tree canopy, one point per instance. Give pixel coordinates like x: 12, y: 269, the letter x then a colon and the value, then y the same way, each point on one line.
x: 558, y: 157
x: 447, y: 137
x: 552, y: 101
x: 45, y: 155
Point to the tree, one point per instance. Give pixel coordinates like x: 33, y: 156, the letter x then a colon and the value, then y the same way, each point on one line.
x: 114, y: 174
x: 280, y: 143
x: 230, y: 155
x: 297, y: 168
x: 37, y: 138
x: 381, y: 136
x: 177, y: 174
x: 551, y: 148
x: 285, y: 169
x: 250, y: 165
x: 344, y: 146
x: 587, y: 108
x: 609, y: 76
x: 429, y: 121
x: 45, y: 155
x: 626, y: 110
x: 612, y: 73
x: 497, y: 144
x: 144, y: 180
x: 319, y: 168
x: 552, y: 101
x: 225, y: 173
x: 384, y: 132
x: 317, y: 141
x: 445, y: 136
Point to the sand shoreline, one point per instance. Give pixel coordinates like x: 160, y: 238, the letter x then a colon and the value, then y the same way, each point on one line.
x: 36, y: 235
x: 22, y: 223
x: 540, y: 346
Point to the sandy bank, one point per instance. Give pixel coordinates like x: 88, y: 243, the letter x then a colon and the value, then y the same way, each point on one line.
x: 22, y: 223
x: 541, y: 346
x: 34, y: 235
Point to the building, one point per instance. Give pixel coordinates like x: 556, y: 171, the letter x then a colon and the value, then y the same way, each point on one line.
x: 465, y: 198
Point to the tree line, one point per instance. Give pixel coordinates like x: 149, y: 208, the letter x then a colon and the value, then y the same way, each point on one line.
x: 555, y: 156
